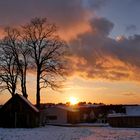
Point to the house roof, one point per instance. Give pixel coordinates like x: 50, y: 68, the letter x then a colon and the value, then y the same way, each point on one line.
x: 24, y: 100
x: 66, y: 108
x: 28, y: 102
x: 133, y: 110
x: 130, y: 111
x: 117, y: 115
x: 89, y: 106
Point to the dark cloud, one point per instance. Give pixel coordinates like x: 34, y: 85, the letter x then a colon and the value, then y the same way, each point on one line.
x: 101, y: 26
x: 63, y: 11
x: 100, y: 56
x: 131, y: 28
x: 71, y: 16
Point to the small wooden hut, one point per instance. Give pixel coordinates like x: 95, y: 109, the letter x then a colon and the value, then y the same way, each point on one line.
x: 19, y: 112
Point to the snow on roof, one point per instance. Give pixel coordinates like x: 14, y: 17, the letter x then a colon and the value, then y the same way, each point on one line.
x: 133, y: 110
x: 117, y: 115
x: 89, y: 106
x: 130, y: 111
x: 67, y: 108
x: 28, y: 102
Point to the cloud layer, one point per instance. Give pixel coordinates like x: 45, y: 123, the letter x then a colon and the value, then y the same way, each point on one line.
x: 70, y: 16
x: 94, y: 54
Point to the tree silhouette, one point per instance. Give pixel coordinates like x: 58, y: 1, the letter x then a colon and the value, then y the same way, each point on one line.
x: 47, y: 51
x: 13, y: 61
x: 8, y: 67
x: 22, y: 63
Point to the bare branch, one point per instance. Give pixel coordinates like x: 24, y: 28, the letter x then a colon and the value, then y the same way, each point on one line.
x: 47, y: 51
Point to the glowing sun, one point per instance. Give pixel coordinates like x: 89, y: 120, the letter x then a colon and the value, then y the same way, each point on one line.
x: 73, y: 100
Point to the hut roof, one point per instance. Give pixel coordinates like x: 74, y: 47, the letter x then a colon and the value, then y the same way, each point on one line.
x: 24, y: 100
x: 28, y: 102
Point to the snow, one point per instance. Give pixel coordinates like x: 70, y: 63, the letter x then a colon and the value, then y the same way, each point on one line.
x: 133, y: 110
x: 44, y: 133
x: 117, y: 115
x: 28, y: 102
x: 70, y: 133
x: 108, y: 133
x: 130, y: 111
x: 71, y: 109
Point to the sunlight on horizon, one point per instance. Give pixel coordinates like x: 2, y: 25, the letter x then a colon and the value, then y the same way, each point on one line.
x: 73, y: 100
x: 122, y: 92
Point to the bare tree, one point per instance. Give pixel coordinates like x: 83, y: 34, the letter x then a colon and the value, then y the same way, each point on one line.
x: 22, y: 64
x: 22, y: 55
x: 8, y: 66
x: 47, y: 51
x: 13, y: 47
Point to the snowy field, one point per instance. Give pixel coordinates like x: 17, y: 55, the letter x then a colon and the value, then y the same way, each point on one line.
x: 71, y: 133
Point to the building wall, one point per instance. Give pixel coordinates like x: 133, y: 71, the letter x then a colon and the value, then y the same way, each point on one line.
x: 124, y: 121
x: 73, y: 117
x: 55, y: 115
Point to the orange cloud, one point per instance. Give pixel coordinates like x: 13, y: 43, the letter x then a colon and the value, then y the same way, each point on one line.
x: 74, y: 30
x: 1, y: 33
x: 94, y: 55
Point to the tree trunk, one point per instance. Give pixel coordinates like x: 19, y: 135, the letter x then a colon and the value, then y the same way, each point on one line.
x: 25, y: 90
x: 23, y: 84
x: 13, y: 90
x: 38, y: 90
x: 12, y: 94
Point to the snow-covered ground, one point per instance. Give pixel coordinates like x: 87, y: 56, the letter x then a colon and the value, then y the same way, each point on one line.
x: 108, y: 133
x: 70, y: 133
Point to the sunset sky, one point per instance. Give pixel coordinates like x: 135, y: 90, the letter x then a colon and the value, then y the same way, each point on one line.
x: 104, y: 40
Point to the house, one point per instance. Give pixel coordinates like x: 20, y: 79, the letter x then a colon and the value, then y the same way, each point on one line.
x: 131, y: 118
x: 97, y: 113
x: 59, y: 115
x: 19, y: 112
x: 92, y: 113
